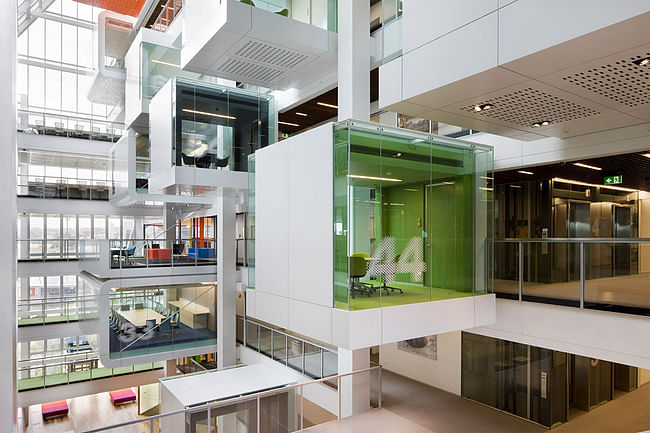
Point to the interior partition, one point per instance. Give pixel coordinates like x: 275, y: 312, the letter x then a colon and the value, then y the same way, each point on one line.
x: 412, y: 213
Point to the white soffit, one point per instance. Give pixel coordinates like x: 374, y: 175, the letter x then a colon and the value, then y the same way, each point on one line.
x: 258, y: 47
x: 588, y: 84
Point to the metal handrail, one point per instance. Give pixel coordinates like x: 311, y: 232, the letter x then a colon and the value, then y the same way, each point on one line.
x: 246, y: 320
x: 254, y: 396
x: 575, y: 240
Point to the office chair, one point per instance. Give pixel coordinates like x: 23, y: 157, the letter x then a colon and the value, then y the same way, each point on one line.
x: 358, y: 269
x: 177, y: 249
x: 221, y: 162
x: 139, y: 306
x: 125, y: 307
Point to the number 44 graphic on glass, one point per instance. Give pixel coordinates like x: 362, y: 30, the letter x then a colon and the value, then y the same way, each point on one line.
x: 409, y: 262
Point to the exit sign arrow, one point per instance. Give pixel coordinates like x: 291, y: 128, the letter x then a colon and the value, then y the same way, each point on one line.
x: 613, y: 180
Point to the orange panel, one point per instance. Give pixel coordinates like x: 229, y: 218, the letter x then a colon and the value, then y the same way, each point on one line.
x: 124, y: 7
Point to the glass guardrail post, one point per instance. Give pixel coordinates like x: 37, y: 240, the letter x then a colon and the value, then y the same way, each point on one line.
x: 286, y: 350
x: 302, y: 407
x: 582, y: 275
x: 209, y: 419
x: 521, y: 270
x: 322, y: 359
x: 302, y: 344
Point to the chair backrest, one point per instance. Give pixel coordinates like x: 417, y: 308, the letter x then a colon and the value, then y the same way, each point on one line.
x: 139, y: 306
x: 222, y: 162
x: 165, y: 325
x: 177, y: 249
x: 358, y: 266
x: 151, y: 323
x: 155, y: 246
x: 125, y: 307
x: 130, y: 251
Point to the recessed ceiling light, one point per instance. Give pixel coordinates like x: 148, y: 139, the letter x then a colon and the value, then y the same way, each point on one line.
x: 323, y: 104
x: 580, y: 164
x: 541, y: 123
x: 482, y: 107
x: 301, y: 114
x: 287, y: 123
x: 647, y: 155
x: 525, y: 172
x: 643, y: 61
x: 398, y: 155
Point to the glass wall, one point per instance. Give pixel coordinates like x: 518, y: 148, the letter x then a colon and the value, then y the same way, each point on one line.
x: 56, y: 61
x: 412, y: 213
x: 60, y: 361
x: 392, y: 29
x: 218, y: 127
x: 147, y: 320
x: 319, y: 13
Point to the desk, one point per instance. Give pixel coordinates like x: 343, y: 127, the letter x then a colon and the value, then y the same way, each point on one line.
x: 192, y: 314
x: 140, y: 317
x: 159, y: 253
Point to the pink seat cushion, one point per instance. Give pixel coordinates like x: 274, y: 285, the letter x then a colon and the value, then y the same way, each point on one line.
x: 54, y: 409
x: 122, y: 396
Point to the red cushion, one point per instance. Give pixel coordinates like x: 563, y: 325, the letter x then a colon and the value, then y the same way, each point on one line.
x: 54, y: 408
x: 122, y: 395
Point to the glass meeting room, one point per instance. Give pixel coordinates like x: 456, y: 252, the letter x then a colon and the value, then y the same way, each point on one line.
x: 412, y: 213
x: 154, y: 319
x: 218, y: 127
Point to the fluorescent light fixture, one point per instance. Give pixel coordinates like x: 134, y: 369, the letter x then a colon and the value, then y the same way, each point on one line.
x: 387, y: 179
x: 287, y: 123
x: 301, y: 114
x: 576, y: 182
x: 441, y: 183
x: 592, y: 167
x: 397, y: 204
x: 642, y: 62
x: 205, y: 113
x: 165, y: 63
x: 323, y: 104
x: 411, y: 189
x: 515, y: 186
x: 647, y: 155
x: 487, y: 178
x: 525, y: 172
x: 486, y: 189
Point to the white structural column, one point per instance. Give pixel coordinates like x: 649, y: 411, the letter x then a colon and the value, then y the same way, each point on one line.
x: 355, y: 389
x: 354, y: 59
x: 226, y: 280
x: 8, y: 411
x: 354, y: 103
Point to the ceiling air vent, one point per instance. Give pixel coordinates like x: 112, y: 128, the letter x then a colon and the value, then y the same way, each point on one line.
x: 625, y: 81
x: 270, y: 54
x: 245, y: 69
x: 527, y: 106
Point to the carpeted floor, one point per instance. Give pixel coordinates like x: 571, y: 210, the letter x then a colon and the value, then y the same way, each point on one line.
x: 412, y: 294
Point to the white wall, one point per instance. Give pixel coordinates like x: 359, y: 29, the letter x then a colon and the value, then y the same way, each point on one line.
x: 621, y: 338
x: 443, y: 373
x: 160, y: 129
x: 293, y: 245
x: 439, y: 37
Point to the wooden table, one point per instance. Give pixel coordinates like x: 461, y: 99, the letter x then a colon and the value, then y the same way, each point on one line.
x: 192, y: 314
x: 140, y: 317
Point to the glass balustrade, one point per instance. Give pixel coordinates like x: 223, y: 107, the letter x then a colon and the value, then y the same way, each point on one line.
x: 305, y: 357
x: 42, y: 311
x: 32, y: 122
x: 607, y: 274
x: 147, y: 253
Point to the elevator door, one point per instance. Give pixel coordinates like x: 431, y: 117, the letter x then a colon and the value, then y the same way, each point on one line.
x: 578, y: 226
x: 622, y: 229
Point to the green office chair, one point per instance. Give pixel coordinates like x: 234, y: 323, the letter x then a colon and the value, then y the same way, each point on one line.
x: 283, y: 12
x: 248, y: 2
x: 357, y: 269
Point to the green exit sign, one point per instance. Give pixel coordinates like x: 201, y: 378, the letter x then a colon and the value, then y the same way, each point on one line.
x: 613, y: 180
